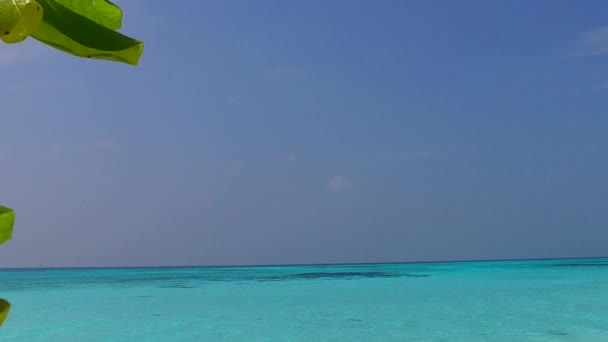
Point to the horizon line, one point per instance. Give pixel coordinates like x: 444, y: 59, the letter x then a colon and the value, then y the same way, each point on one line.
x: 292, y: 265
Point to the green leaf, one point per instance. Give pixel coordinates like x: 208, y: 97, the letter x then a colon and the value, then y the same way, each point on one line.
x: 76, y: 34
x: 7, y: 220
x: 31, y: 16
x: 102, y: 12
x: 9, y: 16
x: 4, y: 308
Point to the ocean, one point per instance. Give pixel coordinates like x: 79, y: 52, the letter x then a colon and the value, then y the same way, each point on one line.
x: 542, y: 300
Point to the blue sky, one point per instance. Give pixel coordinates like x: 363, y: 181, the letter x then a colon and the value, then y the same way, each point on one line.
x: 267, y: 132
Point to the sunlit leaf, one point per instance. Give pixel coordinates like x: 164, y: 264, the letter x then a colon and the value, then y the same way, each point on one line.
x: 9, y: 16
x: 4, y: 308
x: 76, y: 34
x: 7, y: 220
x: 31, y: 17
x: 102, y: 12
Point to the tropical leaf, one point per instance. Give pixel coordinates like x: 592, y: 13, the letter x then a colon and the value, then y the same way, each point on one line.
x: 102, y: 12
x: 31, y: 14
x: 9, y: 16
x: 74, y: 33
x: 7, y: 220
x: 4, y: 308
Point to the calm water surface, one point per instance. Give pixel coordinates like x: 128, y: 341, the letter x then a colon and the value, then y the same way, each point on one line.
x: 548, y: 300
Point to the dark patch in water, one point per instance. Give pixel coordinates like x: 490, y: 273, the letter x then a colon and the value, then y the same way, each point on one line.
x: 341, y: 275
x: 581, y: 265
x: 162, y: 278
x: 145, y: 296
x: 557, y: 333
x: 177, y: 286
x: 197, y: 279
x: 416, y: 275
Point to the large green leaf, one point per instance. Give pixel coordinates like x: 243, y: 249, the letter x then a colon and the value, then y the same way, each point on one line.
x: 30, y: 17
x: 74, y: 33
x: 18, y: 19
x: 9, y: 16
x: 4, y: 308
x: 7, y: 220
x: 100, y: 11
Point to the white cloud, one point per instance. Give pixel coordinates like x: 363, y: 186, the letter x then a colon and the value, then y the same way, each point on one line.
x: 409, y: 156
x: 107, y: 145
x: 3, y: 154
x: 592, y: 43
x: 16, y: 53
x: 37, y: 85
x: 18, y: 87
x: 56, y: 149
x: 339, y: 183
x: 286, y: 72
x: 237, y: 166
x: 8, y: 56
x: 291, y: 158
x: 602, y: 87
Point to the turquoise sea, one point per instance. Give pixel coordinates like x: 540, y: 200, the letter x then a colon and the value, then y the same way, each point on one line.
x: 544, y: 300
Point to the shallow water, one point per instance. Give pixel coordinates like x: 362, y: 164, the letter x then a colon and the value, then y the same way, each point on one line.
x: 548, y: 300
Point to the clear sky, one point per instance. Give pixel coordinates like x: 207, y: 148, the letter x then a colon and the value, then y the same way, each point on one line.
x: 270, y: 132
